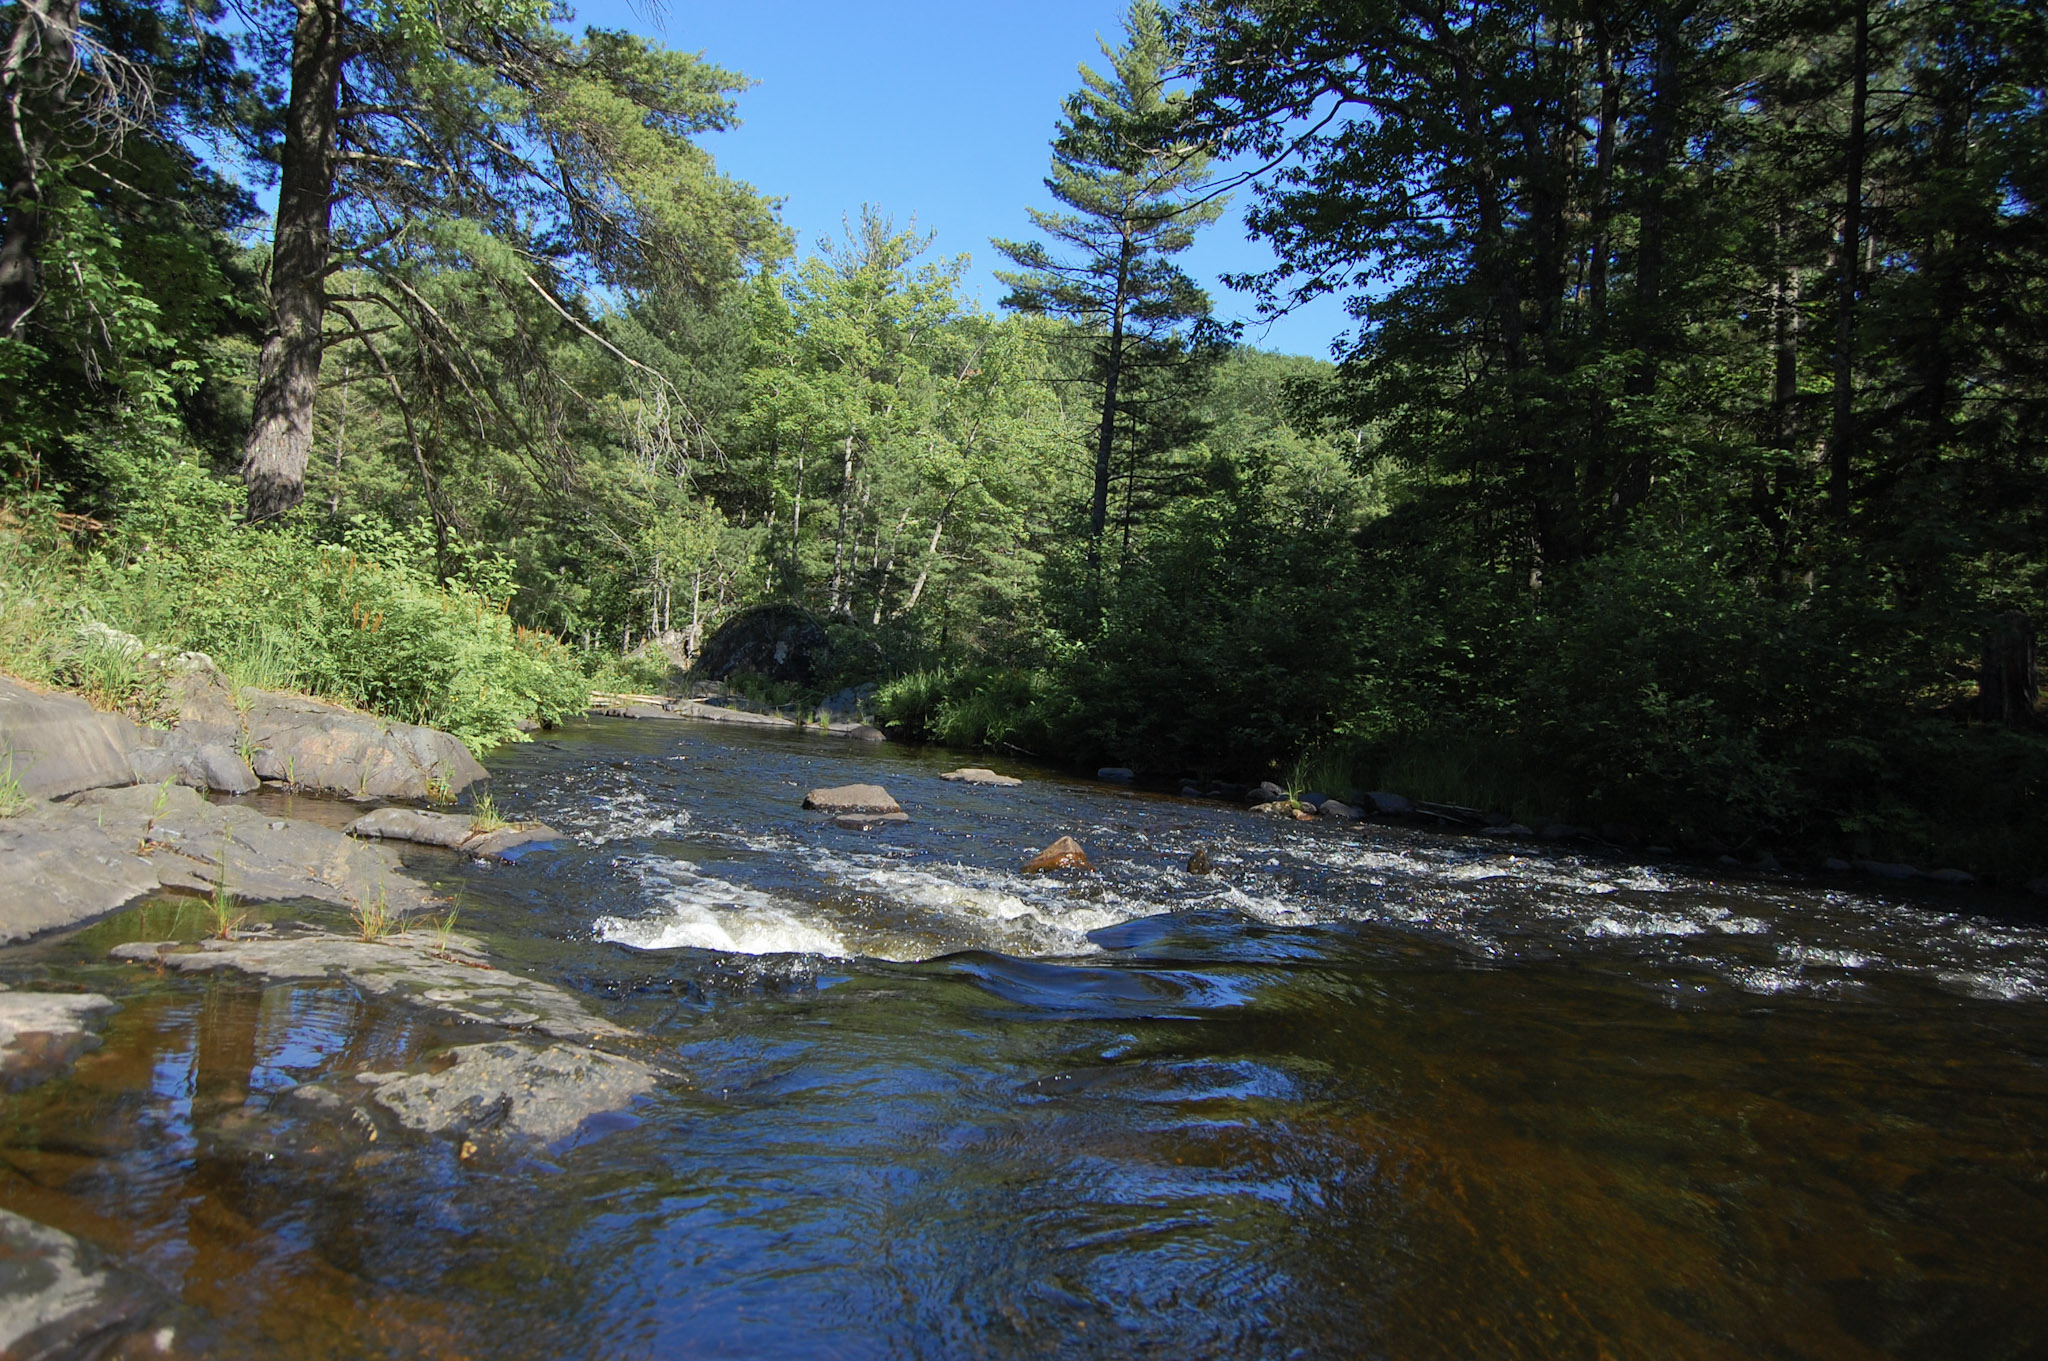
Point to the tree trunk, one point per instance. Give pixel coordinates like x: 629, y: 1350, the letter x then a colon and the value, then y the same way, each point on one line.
x: 35, y: 75
x: 1842, y: 433
x: 1105, y: 437
x: 288, y: 376
x: 839, y: 546
x: 2009, y: 685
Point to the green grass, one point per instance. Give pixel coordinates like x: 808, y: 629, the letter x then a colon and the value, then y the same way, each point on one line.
x: 12, y: 800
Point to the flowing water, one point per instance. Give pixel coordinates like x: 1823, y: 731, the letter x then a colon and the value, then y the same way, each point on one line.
x: 1361, y: 1092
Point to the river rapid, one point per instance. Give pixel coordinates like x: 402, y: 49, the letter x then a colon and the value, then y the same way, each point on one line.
x: 1363, y: 1092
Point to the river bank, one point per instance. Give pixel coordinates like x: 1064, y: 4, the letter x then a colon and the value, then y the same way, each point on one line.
x: 1363, y: 1086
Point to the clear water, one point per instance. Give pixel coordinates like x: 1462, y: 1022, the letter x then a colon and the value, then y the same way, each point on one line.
x: 1364, y: 1092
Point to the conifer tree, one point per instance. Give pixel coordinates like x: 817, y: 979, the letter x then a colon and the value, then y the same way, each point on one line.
x: 1131, y: 180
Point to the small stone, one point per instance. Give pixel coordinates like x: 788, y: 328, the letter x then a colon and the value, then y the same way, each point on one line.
x: 1199, y: 862
x: 1116, y: 774
x: 1064, y: 854
x: 977, y: 775
x: 852, y: 798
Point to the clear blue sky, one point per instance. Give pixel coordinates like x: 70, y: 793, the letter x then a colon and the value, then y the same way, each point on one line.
x: 942, y: 110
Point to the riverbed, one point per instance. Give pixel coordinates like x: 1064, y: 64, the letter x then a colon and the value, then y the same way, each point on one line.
x: 1362, y: 1091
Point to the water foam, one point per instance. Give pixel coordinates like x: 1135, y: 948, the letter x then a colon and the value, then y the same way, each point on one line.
x: 701, y: 912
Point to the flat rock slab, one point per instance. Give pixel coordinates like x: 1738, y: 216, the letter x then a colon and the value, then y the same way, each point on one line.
x: 852, y: 798
x: 408, y: 967
x: 61, y: 869
x: 544, y: 1091
x: 59, y: 1298
x: 976, y: 775
x: 450, y: 831
x: 42, y: 1032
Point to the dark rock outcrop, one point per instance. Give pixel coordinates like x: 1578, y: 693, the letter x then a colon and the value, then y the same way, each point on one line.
x: 779, y: 642
x: 60, y: 1298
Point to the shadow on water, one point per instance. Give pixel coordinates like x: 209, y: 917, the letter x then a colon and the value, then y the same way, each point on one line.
x: 1362, y: 1093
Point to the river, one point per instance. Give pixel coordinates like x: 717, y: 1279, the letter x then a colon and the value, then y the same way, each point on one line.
x: 1363, y: 1092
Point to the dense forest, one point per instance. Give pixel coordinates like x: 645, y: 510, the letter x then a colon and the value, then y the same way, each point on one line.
x: 1681, y: 474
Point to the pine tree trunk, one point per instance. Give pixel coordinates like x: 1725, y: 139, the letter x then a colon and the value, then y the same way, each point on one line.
x: 34, y: 76
x: 288, y: 377
x: 1105, y: 437
x: 2009, y: 685
x: 1842, y: 433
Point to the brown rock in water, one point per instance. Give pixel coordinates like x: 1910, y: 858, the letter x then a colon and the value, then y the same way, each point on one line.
x: 1199, y: 862
x: 1064, y: 854
x: 852, y: 798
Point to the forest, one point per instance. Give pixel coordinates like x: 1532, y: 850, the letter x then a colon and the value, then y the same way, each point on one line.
x: 1680, y: 474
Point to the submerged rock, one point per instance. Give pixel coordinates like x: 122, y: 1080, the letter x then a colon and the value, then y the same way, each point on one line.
x: 977, y: 775
x: 42, y: 1032
x: 863, y: 822
x: 451, y: 831
x: 543, y: 1091
x: 852, y: 798
x: 422, y: 969
x: 60, y: 1299
x: 1116, y: 774
x: 1064, y: 854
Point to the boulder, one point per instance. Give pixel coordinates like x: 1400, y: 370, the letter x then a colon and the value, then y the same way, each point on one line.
x: 852, y: 798
x: 1343, y: 812
x: 1199, y: 862
x: 1952, y: 876
x: 60, y: 1298
x: 1389, y: 805
x: 1267, y: 792
x: 977, y: 775
x: 1835, y: 864
x: 778, y: 642
x: 176, y: 757
x: 851, y: 702
x: 1116, y: 774
x: 1312, y: 799
x: 42, y: 1032
x: 542, y: 1091
x: 861, y: 732
x: 1064, y: 854
x: 311, y: 744
x: 1887, y: 870
x: 58, y: 744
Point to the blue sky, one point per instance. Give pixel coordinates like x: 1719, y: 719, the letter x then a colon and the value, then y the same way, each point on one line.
x: 942, y: 110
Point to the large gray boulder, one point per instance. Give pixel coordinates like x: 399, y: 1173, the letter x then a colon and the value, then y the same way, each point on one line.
x: 852, y: 798
x: 179, y: 758
x: 58, y: 744
x: 777, y: 641
x: 316, y: 745
x: 451, y: 831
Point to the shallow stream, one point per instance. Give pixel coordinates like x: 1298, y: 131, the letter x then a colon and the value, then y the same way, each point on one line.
x: 1362, y: 1092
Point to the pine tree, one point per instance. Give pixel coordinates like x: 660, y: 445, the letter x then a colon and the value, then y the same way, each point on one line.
x: 1132, y: 178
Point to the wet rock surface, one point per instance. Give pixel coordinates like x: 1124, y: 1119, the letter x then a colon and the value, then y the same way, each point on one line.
x: 451, y: 831
x: 73, y: 861
x: 1064, y: 854
x: 60, y: 1299
x: 542, y: 1091
x: 42, y: 1032
x: 447, y: 976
